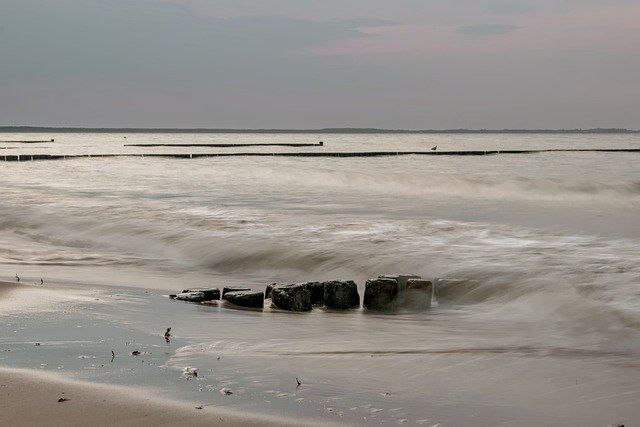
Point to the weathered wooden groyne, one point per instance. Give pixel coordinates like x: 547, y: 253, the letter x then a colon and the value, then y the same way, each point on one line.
x: 221, y: 145
x: 29, y: 142
x: 388, y: 293
x: 30, y: 157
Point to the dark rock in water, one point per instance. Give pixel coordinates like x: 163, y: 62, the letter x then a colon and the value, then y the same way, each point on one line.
x: 381, y: 294
x: 316, y: 289
x: 191, y: 297
x: 233, y: 289
x: 210, y: 294
x: 250, y: 299
x: 291, y: 298
x: 271, y: 286
x: 418, y: 294
x: 402, y: 280
x: 341, y: 295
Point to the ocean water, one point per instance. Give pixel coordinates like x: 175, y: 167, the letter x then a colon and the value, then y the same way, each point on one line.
x: 537, y: 318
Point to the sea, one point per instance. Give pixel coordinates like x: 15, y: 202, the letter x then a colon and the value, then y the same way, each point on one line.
x: 535, y: 319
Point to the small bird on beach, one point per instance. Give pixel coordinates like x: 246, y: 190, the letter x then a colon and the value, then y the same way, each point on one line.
x: 299, y: 383
x: 41, y: 281
x: 17, y: 277
x: 434, y: 148
x: 167, y: 335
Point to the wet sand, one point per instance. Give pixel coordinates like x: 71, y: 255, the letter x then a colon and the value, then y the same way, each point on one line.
x: 7, y: 287
x: 54, y: 333
x: 30, y: 397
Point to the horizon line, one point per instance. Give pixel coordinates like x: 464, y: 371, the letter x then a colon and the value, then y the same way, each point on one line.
x: 336, y: 130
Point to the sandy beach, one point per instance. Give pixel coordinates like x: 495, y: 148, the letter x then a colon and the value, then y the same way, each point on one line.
x: 58, y: 339
x: 6, y: 288
x: 36, y: 398
x: 32, y: 398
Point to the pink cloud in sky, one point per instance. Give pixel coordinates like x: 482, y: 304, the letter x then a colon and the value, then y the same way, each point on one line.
x: 395, y: 40
x: 611, y: 28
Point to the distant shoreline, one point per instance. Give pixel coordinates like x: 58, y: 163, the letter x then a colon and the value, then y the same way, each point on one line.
x: 36, y: 129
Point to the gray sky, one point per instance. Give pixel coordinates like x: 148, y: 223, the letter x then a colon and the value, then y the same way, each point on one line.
x: 412, y: 64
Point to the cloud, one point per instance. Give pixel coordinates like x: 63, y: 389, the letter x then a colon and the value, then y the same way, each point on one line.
x: 131, y: 41
x: 369, y: 23
x: 508, y: 8
x: 287, y: 63
x: 482, y: 30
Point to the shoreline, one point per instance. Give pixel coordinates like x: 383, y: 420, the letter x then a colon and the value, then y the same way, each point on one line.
x: 57, y: 343
x: 98, y: 404
x: 7, y: 287
x: 30, y: 397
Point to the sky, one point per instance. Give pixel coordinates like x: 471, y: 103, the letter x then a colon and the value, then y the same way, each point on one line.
x: 398, y: 64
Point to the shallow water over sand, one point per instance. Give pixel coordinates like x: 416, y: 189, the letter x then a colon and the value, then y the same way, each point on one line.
x: 541, y: 324
x: 357, y: 368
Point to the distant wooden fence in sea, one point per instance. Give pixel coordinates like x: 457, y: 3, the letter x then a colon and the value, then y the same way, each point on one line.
x: 30, y: 157
x: 29, y: 142
x: 219, y: 145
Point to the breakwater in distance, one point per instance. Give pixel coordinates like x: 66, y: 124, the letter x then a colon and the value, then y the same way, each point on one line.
x: 30, y: 141
x: 30, y: 157
x: 319, y: 144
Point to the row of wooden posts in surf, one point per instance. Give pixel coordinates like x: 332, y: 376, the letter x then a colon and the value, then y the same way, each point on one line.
x: 29, y: 141
x: 385, y: 293
x: 34, y: 157
x: 218, y: 145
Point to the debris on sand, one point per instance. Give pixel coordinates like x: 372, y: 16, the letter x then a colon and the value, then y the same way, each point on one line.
x: 135, y: 353
x: 189, y: 373
x: 226, y: 391
x: 62, y: 399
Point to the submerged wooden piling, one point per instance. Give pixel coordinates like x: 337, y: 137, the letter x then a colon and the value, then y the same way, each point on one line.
x: 25, y: 157
x: 29, y: 142
x: 222, y: 145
